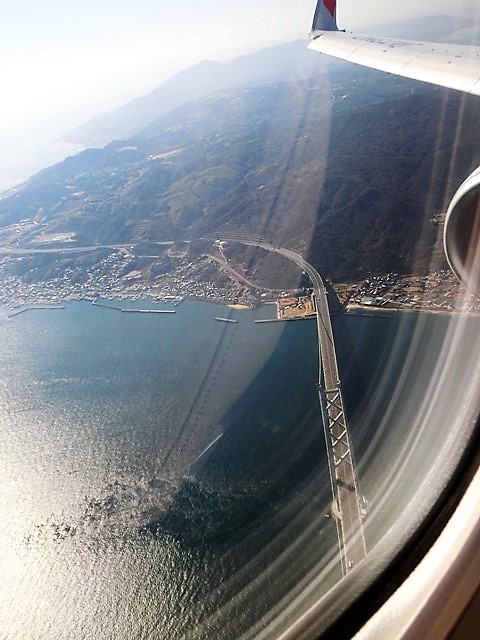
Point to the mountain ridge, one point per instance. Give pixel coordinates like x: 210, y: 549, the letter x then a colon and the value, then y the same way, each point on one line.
x: 285, y: 62
x: 335, y: 167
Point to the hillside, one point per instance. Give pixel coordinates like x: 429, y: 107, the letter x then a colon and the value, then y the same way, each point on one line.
x: 290, y: 62
x: 286, y: 62
x: 349, y: 171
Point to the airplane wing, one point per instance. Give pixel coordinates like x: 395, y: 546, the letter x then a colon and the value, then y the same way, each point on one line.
x: 451, y: 66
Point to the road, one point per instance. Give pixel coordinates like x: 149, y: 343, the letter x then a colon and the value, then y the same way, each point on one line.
x: 74, y: 248
x: 347, y: 504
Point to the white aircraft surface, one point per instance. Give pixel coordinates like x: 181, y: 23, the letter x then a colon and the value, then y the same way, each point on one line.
x: 440, y: 597
x: 447, y: 65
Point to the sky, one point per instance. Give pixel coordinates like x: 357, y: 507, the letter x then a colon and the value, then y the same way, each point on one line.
x: 63, y: 61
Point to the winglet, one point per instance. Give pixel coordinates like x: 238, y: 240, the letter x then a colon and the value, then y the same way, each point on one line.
x: 325, y: 18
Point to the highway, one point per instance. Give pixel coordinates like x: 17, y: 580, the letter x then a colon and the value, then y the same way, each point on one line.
x: 346, y: 503
x: 8, y: 250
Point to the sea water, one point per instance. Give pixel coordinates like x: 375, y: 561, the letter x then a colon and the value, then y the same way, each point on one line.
x: 165, y: 475
x: 114, y: 525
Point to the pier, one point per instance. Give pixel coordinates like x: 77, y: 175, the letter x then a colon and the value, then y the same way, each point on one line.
x: 106, y: 306
x: 282, y: 319
x: 36, y: 308
x: 122, y: 310
x: 148, y: 310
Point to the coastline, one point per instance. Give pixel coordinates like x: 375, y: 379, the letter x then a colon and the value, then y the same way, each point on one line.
x: 365, y: 310
x: 125, y: 303
x: 238, y: 306
x: 438, y: 292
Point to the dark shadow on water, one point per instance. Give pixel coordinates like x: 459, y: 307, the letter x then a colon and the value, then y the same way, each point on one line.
x: 272, y: 442
x: 252, y: 518
x: 252, y: 515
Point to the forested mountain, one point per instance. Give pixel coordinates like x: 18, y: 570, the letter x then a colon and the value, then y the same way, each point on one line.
x: 286, y: 63
x: 348, y: 168
x: 281, y: 63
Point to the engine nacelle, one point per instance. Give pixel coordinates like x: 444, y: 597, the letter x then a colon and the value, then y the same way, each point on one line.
x: 462, y: 233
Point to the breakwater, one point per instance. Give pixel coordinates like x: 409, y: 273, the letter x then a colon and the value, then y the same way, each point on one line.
x: 131, y: 310
x: 36, y: 308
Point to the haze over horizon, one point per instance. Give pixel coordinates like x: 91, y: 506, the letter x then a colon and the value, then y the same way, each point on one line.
x: 63, y: 64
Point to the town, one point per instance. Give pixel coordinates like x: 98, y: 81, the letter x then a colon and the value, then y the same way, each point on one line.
x: 439, y: 291
x: 111, y: 277
x: 118, y: 275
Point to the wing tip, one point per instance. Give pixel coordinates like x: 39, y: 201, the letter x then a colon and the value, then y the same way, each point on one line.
x: 325, y: 18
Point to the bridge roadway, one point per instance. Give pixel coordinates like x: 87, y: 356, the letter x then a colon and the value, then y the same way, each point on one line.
x: 346, y: 500
x: 346, y: 504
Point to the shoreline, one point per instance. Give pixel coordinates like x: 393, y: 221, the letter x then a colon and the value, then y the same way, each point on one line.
x: 117, y: 303
x: 236, y: 305
x: 357, y: 309
x: 354, y: 309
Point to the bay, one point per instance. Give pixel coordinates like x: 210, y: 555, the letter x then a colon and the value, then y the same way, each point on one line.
x: 104, y: 417
x: 165, y: 476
